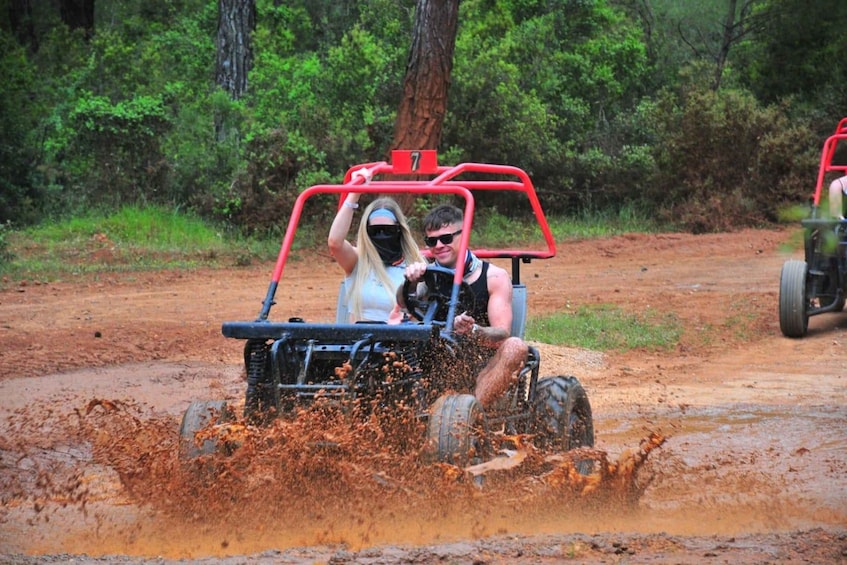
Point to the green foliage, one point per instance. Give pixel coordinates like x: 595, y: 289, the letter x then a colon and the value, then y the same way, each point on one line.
x: 799, y: 52
x: 118, y: 147
x: 543, y: 77
x: 154, y: 237
x: 723, y: 160
x: 106, y: 105
x: 19, y: 200
x: 606, y: 327
x: 604, y: 222
x: 605, y: 105
x: 95, y: 116
x: 494, y: 229
x: 311, y: 114
x: 152, y: 227
x: 6, y: 254
x: 129, y: 239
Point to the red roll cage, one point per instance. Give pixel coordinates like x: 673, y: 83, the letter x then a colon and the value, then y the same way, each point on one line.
x: 827, y: 155
x: 382, y: 178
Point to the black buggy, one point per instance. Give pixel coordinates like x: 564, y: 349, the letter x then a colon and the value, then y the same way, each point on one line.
x: 296, y: 363
x: 817, y: 284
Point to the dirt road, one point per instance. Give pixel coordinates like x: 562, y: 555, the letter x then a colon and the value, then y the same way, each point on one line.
x: 95, y: 374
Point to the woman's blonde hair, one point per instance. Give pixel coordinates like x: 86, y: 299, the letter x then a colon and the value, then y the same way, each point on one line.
x: 369, y: 259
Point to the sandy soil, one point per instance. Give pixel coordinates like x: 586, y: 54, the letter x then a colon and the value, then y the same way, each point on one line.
x: 96, y: 373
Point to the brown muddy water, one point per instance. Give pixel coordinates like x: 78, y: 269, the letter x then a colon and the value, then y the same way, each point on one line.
x: 88, y: 465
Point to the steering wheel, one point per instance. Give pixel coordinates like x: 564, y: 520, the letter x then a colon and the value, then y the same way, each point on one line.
x: 435, y: 304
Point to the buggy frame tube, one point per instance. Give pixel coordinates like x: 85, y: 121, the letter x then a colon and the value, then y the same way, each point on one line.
x: 827, y: 154
x: 371, y: 189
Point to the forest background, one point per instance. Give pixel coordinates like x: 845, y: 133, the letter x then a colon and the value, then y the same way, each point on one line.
x: 706, y: 116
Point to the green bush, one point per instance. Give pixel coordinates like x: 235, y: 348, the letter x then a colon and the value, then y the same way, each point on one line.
x: 6, y: 254
x: 723, y: 160
x: 118, y: 146
x: 19, y: 199
x: 533, y: 84
x: 310, y: 115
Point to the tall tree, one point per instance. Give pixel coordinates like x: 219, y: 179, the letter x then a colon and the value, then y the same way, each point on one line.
x: 704, y: 41
x: 78, y: 14
x: 236, y: 23
x: 800, y: 51
x: 736, y: 25
x: 21, y: 22
x: 424, y: 104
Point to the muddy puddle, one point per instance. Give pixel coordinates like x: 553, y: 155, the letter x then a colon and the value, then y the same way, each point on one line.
x: 88, y: 464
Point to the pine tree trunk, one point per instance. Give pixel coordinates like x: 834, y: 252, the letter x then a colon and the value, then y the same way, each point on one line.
x: 20, y: 20
x: 236, y: 23
x: 78, y: 14
x: 420, y: 117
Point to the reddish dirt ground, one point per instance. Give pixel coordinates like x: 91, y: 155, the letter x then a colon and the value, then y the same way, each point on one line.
x: 95, y: 374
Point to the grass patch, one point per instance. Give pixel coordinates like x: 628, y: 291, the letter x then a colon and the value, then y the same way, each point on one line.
x: 604, y: 223
x: 493, y: 229
x: 606, y: 327
x: 129, y: 239
x: 742, y: 324
x: 153, y: 238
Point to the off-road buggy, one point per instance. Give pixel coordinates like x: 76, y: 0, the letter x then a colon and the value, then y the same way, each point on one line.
x: 295, y: 363
x: 817, y: 284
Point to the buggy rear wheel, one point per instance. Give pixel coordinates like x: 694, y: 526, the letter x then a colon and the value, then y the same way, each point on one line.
x: 563, y: 418
x: 201, y: 414
x: 793, y: 302
x: 456, y: 431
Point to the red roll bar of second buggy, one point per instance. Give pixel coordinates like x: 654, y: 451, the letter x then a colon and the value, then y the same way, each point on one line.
x: 826, y: 158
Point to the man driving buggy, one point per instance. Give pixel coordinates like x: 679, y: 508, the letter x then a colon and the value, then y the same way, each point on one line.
x: 492, y: 353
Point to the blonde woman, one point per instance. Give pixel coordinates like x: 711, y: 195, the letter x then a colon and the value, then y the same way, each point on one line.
x: 374, y: 267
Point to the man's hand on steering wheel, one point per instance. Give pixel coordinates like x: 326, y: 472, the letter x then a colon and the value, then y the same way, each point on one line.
x: 435, y: 302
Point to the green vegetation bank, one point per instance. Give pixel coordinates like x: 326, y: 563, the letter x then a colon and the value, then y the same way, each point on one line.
x: 698, y: 117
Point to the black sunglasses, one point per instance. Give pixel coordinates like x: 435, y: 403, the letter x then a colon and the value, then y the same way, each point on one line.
x: 383, y: 230
x: 445, y: 238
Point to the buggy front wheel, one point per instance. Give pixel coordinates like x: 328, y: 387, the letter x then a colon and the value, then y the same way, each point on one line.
x: 200, y: 415
x: 456, y: 430
x: 793, y: 302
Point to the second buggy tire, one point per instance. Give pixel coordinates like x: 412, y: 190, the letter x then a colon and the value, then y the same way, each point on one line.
x: 563, y: 418
x: 456, y: 430
x: 793, y: 302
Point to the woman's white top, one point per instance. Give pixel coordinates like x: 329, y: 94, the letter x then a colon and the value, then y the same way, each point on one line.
x: 375, y: 300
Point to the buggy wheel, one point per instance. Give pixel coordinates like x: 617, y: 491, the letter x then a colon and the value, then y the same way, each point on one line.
x: 563, y: 418
x: 793, y: 302
x: 456, y: 430
x: 200, y: 415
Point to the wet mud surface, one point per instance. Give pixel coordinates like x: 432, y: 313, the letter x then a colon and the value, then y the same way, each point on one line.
x: 732, y: 447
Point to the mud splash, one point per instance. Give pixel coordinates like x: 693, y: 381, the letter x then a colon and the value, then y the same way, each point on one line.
x: 322, y: 478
